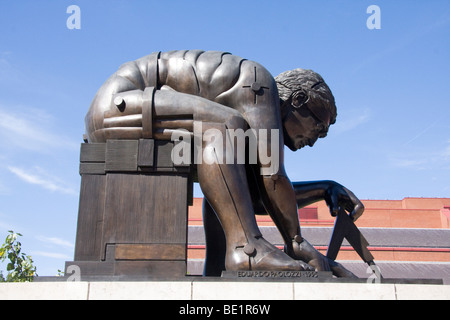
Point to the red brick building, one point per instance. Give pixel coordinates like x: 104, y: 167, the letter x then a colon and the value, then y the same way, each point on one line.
x: 409, y: 238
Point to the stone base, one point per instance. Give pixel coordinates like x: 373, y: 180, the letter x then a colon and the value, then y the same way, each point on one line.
x: 202, y: 289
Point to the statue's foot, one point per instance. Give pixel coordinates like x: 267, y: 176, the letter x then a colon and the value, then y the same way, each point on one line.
x: 339, y: 270
x: 260, y: 255
x: 304, y: 251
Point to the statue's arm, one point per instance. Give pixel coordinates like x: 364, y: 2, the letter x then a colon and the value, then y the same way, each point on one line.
x: 333, y: 193
x: 308, y: 192
x: 122, y: 106
x: 106, y: 114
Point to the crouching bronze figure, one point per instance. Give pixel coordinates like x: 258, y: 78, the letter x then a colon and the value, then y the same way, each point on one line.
x: 177, y: 92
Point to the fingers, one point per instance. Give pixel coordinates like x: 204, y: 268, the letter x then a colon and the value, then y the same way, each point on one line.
x: 122, y: 133
x: 332, y: 199
x: 357, y: 211
x: 133, y: 120
x: 339, y: 196
x: 355, y: 206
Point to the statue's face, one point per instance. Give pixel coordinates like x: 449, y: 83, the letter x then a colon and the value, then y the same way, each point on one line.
x: 302, y: 127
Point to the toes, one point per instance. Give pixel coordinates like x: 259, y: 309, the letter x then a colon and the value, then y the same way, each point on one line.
x: 320, y: 264
x: 339, y: 270
x: 303, y: 266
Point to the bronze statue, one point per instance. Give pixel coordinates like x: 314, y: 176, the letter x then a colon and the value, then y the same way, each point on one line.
x: 169, y: 92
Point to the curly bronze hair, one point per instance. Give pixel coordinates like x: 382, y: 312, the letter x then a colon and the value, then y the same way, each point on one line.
x: 311, y: 85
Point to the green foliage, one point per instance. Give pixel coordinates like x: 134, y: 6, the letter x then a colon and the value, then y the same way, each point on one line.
x: 20, y: 267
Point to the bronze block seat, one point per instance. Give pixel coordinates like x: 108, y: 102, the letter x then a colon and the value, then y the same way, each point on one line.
x: 133, y: 210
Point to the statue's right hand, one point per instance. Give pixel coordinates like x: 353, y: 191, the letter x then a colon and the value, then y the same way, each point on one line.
x: 339, y: 196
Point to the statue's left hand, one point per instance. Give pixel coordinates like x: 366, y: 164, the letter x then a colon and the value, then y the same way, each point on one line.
x: 337, y: 196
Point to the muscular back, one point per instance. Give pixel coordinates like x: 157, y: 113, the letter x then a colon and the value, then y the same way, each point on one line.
x: 218, y: 77
x: 206, y: 74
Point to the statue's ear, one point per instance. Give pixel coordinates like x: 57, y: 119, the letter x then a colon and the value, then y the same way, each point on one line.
x: 299, y: 98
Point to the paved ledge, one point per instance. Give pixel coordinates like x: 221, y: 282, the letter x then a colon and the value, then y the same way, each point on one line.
x: 220, y: 290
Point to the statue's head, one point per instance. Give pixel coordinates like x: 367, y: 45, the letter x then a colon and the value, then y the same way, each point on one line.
x: 307, y: 107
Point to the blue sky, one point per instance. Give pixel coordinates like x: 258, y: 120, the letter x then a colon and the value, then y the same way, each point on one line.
x: 391, y: 139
